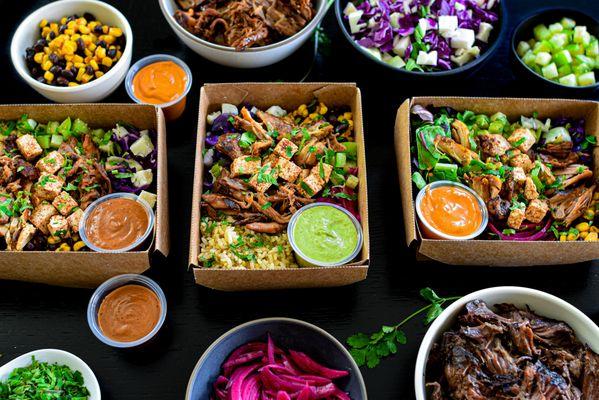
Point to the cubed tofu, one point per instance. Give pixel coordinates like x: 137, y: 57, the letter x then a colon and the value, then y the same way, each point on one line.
x: 516, y: 218
x: 64, y: 203
x: 522, y: 138
x: 288, y: 170
x: 518, y: 174
x: 305, y: 172
x: 48, y: 187
x: 29, y: 147
x: 536, y: 211
x: 40, y: 217
x: 530, y: 190
x: 322, y: 171
x: 310, y: 185
x: 51, y: 163
x: 25, y: 236
x: 74, y: 220
x: 245, y: 165
x: 264, y: 178
x: 285, y: 148
x: 523, y: 161
x: 58, y: 226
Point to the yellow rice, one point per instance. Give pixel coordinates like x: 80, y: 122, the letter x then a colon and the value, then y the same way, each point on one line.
x: 234, y: 247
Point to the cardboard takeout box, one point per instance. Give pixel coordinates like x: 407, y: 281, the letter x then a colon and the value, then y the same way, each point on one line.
x: 491, y: 252
x: 289, y: 96
x: 86, y: 268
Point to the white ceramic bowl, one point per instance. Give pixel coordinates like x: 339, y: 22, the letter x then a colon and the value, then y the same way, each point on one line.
x: 28, y: 33
x: 61, y: 357
x: 253, y: 57
x: 541, y: 303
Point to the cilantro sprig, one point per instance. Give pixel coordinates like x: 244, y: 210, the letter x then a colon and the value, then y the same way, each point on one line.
x: 370, y: 349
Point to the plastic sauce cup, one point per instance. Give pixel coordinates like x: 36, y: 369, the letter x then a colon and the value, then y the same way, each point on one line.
x: 133, y: 246
x: 305, y: 261
x: 109, y: 286
x: 172, y: 110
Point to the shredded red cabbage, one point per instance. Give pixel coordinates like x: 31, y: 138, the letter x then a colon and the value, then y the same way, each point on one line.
x: 526, y: 236
x: 263, y: 371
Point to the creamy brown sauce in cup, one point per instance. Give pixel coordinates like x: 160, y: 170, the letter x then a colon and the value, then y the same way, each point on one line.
x: 116, y: 223
x: 129, y: 313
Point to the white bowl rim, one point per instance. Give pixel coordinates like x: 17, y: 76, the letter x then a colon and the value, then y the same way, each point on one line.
x: 322, y: 9
x: 422, y: 357
x: 24, y: 73
x: 324, y: 333
x: 91, y: 386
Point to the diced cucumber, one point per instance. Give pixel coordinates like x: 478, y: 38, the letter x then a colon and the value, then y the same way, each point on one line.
x: 592, y: 50
x: 562, y: 58
x: 148, y: 197
x: 52, y: 127
x: 499, y: 116
x: 44, y: 141
x: 142, y: 146
x: 79, y: 127
x: 544, y: 46
x: 557, y: 27
x: 564, y: 70
x: 543, y: 58
x: 568, y: 23
x: 56, y: 141
x: 351, y: 149
x: 529, y: 58
x: 541, y: 32
x: 107, y: 148
x: 575, y: 49
x: 581, y: 69
x: 65, y: 128
x: 337, y: 178
x: 587, y: 79
x: 550, y: 71
x: 558, y: 40
x: 522, y: 48
x: 496, y: 127
x: 352, y: 181
x: 142, y: 178
x: 418, y: 180
x: 568, y: 80
x: 396, y: 62
x: 340, y: 159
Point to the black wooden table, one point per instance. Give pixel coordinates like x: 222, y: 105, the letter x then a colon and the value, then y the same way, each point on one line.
x: 37, y: 316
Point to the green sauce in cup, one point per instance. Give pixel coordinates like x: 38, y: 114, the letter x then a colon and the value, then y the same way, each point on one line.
x: 325, y: 235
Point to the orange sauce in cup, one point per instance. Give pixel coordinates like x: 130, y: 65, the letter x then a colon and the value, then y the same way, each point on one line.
x: 451, y: 210
x: 160, y: 83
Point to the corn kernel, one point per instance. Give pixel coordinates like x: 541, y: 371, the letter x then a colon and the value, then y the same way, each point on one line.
x: 80, y: 73
x: 109, y: 39
x: 583, y: 226
x: 348, y: 115
x: 562, y: 238
x: 572, y: 236
x: 77, y: 58
x: 53, y: 240
x: 38, y: 57
x: 69, y: 65
x: 79, y: 65
x: 49, y: 76
x: 69, y: 32
x: 86, y: 78
x: 92, y: 24
x: 47, y: 50
x: 116, y: 32
x: 45, y: 32
x: 87, y: 40
x: 88, y: 53
x: 63, y: 20
x: 84, y: 29
x: 72, y: 84
x: 323, y: 109
x: 54, y: 26
x: 69, y: 47
x: 43, y: 23
x: 594, y: 229
x: 118, y: 54
x: 47, y: 65
x: 91, y: 47
x: 592, y: 237
x: 87, y: 59
x: 100, y: 53
x: 589, y: 214
x: 105, y: 29
x: 596, y: 196
x: 81, y: 21
x: 94, y: 65
x: 64, y: 247
x: 99, y: 74
x: 78, y: 245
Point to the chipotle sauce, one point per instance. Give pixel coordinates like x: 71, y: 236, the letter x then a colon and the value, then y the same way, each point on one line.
x: 129, y: 313
x: 451, y: 210
x: 116, y: 223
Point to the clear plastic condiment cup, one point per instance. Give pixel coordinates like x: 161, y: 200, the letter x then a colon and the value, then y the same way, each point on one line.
x: 109, y: 286
x: 96, y: 203
x: 173, y: 109
x: 305, y: 261
x: 430, y: 232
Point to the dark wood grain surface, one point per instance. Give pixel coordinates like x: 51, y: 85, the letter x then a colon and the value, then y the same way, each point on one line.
x: 37, y: 316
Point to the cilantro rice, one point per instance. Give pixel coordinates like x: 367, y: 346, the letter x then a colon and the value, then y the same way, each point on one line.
x: 226, y: 246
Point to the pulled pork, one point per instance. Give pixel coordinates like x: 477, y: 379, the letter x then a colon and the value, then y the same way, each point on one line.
x: 244, y: 23
x: 511, y: 354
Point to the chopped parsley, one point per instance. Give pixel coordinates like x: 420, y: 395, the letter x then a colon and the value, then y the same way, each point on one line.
x: 266, y: 205
x: 247, y: 139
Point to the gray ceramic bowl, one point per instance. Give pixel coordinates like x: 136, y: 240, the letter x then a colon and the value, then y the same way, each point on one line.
x: 287, y: 333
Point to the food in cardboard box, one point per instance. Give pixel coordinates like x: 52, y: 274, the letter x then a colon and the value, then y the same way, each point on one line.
x: 510, y: 353
x: 562, y: 52
x: 264, y: 166
x: 52, y: 172
x: 261, y: 371
x: 435, y: 36
x: 535, y: 176
x: 243, y: 24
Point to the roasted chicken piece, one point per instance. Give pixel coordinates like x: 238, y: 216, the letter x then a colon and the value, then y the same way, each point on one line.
x: 498, y: 208
x: 573, y: 174
x: 493, y: 144
x: 460, y: 133
x: 487, y: 186
x: 272, y: 123
x: 308, y: 155
x: 555, y: 162
x: 455, y: 150
x: 522, y: 139
x: 567, y: 206
x: 228, y: 144
x: 266, y: 227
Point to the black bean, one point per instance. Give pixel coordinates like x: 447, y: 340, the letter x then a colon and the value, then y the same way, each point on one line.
x: 89, y: 70
x: 80, y: 45
x: 98, y: 29
x: 62, y: 28
x: 71, y: 18
x: 111, y: 53
x: 55, y: 69
x: 53, y: 57
x: 52, y: 35
x: 35, y: 71
x: 67, y: 74
x: 89, y: 17
x: 41, y: 79
x: 62, y: 63
x: 102, y: 43
x: 39, y: 45
x: 62, y: 81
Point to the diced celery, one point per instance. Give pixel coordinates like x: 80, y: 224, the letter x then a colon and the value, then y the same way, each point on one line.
x: 558, y: 40
x: 575, y: 49
x: 557, y: 27
x: 352, y: 181
x: 351, y: 148
x: 562, y: 58
x: 44, y: 141
x: 56, y: 141
x: 532, y: 43
x: 65, y: 128
x: 564, y: 70
x: 587, y: 79
x: 592, y: 50
x: 543, y: 58
x: 340, y: 159
x: 79, y: 127
x: 523, y: 48
x: 496, y: 127
x: 550, y: 71
x: 501, y: 117
x: 52, y: 127
x: 568, y: 23
x: 541, y: 32
x: 529, y: 58
x: 568, y: 80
